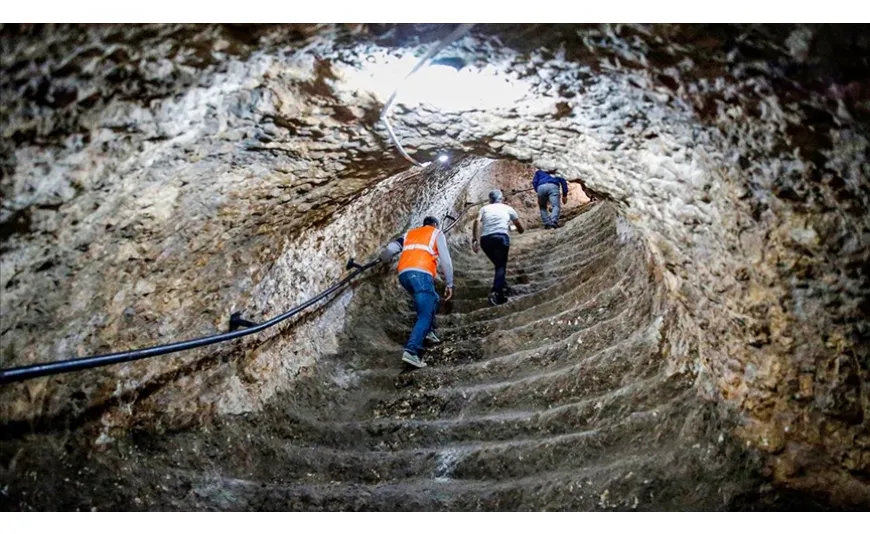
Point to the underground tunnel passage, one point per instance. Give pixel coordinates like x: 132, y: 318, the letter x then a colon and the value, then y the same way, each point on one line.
x: 695, y: 338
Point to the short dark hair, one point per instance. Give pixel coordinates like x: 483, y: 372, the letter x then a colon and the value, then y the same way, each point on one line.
x: 430, y: 221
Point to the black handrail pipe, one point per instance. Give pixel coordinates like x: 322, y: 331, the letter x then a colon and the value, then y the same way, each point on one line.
x: 236, y: 322
x: 18, y: 374
x: 27, y: 372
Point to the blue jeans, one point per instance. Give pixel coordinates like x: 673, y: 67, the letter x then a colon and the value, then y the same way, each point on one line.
x: 422, y: 287
x: 549, y: 193
x: 496, y: 248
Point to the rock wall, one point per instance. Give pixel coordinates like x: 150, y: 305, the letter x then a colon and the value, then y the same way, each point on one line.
x: 156, y: 177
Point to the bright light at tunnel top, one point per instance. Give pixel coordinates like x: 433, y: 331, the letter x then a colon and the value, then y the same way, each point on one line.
x: 446, y: 88
x: 440, y: 86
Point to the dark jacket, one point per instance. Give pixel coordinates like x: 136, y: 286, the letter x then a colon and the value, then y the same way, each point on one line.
x: 542, y: 178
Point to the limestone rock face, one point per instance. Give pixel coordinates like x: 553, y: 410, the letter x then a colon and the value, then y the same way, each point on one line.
x: 157, y: 178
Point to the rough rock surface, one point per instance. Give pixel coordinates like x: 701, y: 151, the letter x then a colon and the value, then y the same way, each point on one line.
x: 157, y: 178
x: 561, y: 399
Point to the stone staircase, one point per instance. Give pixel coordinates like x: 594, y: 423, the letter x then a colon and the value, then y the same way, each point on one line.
x: 558, y: 400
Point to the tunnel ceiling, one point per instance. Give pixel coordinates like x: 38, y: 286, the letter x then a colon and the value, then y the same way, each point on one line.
x: 155, y: 177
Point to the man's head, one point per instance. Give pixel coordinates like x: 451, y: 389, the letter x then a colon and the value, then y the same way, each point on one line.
x: 495, y: 196
x: 430, y: 221
x: 548, y: 166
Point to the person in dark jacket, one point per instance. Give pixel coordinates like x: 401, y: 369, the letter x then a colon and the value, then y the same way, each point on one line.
x: 547, y: 187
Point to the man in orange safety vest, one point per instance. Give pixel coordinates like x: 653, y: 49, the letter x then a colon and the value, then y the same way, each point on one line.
x: 423, y: 250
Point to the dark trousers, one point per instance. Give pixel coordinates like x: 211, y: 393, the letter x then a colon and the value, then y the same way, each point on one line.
x: 496, y: 247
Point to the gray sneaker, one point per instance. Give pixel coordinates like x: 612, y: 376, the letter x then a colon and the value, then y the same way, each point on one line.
x: 413, y: 359
x: 432, y: 338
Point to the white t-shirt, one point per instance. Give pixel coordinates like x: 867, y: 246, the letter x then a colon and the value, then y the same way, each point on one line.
x: 496, y: 219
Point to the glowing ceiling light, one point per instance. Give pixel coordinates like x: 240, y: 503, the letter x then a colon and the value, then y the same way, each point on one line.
x: 455, y: 90
x: 446, y: 84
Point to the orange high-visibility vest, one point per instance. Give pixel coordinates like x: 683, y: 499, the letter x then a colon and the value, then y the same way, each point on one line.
x: 420, y: 250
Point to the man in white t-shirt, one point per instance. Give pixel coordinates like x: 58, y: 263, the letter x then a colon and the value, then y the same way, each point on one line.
x: 494, y: 238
